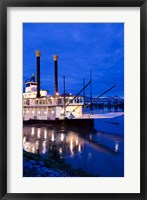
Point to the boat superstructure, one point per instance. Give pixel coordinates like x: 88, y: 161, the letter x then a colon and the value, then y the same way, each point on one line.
x: 49, y: 107
x: 39, y: 105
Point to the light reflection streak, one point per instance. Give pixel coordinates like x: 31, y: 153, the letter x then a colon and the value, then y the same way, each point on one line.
x: 60, y: 150
x: 33, y: 131
x: 53, y: 137
x: 26, y: 146
x: 90, y: 136
x: 38, y: 133
x: 71, y: 146
x: 24, y: 140
x: 79, y: 148
x: 45, y: 134
x: 43, y: 146
x: 62, y: 137
x: 77, y: 142
x: 37, y: 144
x: 116, y: 147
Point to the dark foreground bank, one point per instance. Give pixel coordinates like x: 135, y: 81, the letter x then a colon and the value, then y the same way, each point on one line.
x: 34, y: 165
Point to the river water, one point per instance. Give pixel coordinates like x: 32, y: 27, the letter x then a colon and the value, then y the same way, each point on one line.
x: 100, y: 153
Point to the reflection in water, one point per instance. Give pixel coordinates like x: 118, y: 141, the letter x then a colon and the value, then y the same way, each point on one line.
x: 77, y: 142
x: 53, y: 138
x: 45, y: 138
x: 79, y: 148
x: 116, y: 147
x: 33, y: 131
x: 45, y: 134
x: 24, y: 139
x: 71, y: 146
x: 33, y: 149
x: 90, y: 136
x: 37, y: 144
x: 60, y: 150
x: 98, y: 153
x: 38, y: 132
x: 62, y: 137
x: 43, y: 146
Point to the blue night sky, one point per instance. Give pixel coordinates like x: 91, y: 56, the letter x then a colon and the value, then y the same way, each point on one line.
x: 79, y: 46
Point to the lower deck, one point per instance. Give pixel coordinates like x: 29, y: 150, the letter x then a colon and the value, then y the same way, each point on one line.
x: 52, y: 112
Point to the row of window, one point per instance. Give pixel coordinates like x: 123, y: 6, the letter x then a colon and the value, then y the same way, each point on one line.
x: 50, y: 101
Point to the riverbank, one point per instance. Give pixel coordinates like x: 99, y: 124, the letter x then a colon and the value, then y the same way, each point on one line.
x: 34, y: 165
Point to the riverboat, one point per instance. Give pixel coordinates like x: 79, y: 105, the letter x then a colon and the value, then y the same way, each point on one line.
x: 39, y: 105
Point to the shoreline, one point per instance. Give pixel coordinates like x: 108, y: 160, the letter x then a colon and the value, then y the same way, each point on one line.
x: 34, y: 165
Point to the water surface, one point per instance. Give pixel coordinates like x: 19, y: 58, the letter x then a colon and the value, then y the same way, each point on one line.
x: 96, y: 152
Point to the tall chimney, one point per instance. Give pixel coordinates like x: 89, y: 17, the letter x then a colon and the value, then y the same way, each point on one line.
x: 38, y: 53
x: 55, y: 74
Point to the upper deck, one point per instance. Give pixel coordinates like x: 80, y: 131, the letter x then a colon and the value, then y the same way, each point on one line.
x: 59, y: 100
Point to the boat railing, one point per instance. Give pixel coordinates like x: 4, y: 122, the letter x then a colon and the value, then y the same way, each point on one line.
x: 50, y: 105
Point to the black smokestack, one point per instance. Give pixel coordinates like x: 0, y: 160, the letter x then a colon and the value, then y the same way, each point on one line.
x: 38, y: 73
x: 55, y: 74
